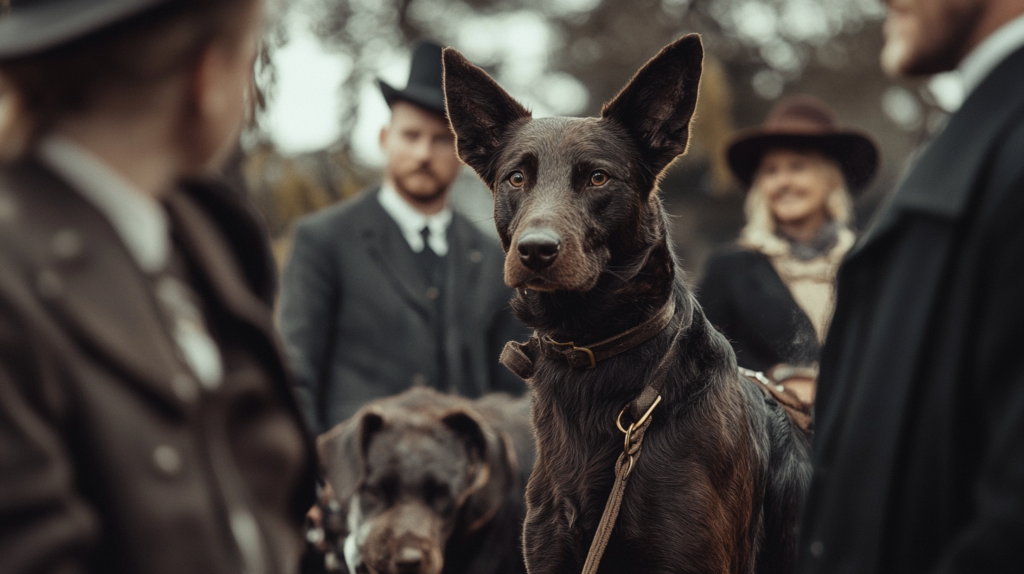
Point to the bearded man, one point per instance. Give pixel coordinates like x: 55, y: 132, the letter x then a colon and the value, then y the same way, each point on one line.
x: 394, y: 288
x: 919, y: 430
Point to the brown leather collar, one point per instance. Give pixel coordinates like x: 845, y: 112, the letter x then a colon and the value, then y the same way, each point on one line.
x: 520, y: 357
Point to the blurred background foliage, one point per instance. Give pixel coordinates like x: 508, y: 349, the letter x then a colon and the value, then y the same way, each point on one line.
x: 567, y: 57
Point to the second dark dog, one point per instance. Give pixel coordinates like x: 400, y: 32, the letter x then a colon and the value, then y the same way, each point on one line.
x: 430, y: 483
x: 723, y: 468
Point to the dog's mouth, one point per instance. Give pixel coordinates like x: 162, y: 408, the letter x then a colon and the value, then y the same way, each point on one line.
x: 540, y: 284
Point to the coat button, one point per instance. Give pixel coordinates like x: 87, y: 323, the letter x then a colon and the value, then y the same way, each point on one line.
x: 817, y: 548
x: 167, y: 459
x: 8, y: 208
x: 419, y: 380
x: 476, y: 256
x: 433, y: 293
x: 66, y: 244
x: 184, y: 388
x: 49, y: 284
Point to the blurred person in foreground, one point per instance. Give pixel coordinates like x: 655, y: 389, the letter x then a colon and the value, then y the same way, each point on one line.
x: 393, y: 288
x: 772, y: 292
x: 919, y: 430
x: 146, y: 420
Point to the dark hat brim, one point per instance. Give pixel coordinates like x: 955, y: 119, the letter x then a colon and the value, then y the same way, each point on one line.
x: 856, y: 153
x: 43, y: 25
x: 426, y: 97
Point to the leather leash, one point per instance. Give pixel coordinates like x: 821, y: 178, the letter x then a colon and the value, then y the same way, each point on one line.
x: 520, y: 357
x: 640, y: 411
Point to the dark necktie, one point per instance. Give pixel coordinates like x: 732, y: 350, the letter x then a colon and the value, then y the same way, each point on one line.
x: 430, y: 260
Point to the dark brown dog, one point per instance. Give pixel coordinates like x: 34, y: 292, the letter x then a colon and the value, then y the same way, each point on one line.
x: 723, y: 469
x: 430, y: 483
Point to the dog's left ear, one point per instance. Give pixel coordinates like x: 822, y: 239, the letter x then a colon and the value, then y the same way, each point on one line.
x: 656, y: 106
x: 494, y: 471
x: 480, y: 111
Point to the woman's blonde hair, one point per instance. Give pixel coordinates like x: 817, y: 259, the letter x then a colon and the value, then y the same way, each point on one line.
x: 760, y: 231
x: 127, y: 58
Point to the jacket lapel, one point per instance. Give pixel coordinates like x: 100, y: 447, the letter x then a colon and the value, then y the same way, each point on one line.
x: 389, y: 250
x: 940, y: 184
x: 206, y: 247
x: 91, y: 281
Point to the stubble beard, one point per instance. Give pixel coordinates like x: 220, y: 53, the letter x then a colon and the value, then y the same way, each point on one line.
x: 935, y: 49
x: 421, y: 197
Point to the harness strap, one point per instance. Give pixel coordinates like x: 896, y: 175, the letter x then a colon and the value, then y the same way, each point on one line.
x: 520, y: 357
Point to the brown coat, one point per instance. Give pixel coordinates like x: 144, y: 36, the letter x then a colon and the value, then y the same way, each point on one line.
x: 112, y: 459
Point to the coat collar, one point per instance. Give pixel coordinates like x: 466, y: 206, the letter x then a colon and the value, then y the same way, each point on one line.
x: 941, y: 182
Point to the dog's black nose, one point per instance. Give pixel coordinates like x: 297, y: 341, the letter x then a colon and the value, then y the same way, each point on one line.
x: 538, y: 248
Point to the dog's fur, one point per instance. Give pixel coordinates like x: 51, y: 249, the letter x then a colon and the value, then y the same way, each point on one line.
x: 723, y: 469
x: 430, y: 483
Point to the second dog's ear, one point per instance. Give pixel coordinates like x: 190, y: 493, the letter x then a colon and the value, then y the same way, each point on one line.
x: 480, y: 112
x: 342, y: 452
x: 494, y: 473
x: 655, y: 107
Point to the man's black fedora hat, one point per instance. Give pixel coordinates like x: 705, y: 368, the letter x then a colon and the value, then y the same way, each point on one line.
x: 425, y: 87
x: 31, y: 26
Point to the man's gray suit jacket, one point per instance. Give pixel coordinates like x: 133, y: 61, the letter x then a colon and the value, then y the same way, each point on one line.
x: 359, y: 319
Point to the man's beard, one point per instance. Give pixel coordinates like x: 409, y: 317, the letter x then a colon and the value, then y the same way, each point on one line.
x: 906, y: 57
x: 421, y: 196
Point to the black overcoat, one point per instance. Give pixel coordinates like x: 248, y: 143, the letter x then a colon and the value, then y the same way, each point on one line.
x: 359, y: 319
x: 744, y: 297
x: 919, y: 440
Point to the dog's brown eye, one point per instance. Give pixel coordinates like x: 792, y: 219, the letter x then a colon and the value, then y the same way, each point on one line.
x: 517, y: 179
x: 598, y: 178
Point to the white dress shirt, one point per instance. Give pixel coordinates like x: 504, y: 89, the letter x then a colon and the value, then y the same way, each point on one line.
x: 977, y: 65
x: 142, y: 225
x: 411, y: 221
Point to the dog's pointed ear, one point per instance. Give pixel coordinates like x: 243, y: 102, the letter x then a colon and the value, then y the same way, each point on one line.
x: 342, y: 452
x: 480, y: 112
x: 495, y: 469
x: 656, y: 106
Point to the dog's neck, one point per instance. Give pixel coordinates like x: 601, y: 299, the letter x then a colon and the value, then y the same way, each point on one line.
x: 640, y: 276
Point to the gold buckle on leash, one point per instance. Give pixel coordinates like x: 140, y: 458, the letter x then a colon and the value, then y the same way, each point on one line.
x: 593, y: 361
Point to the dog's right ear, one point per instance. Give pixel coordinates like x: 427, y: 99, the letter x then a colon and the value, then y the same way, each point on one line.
x: 342, y: 452
x: 480, y: 112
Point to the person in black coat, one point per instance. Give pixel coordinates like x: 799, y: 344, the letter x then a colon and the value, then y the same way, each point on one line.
x: 771, y: 292
x: 919, y: 440
x: 393, y: 288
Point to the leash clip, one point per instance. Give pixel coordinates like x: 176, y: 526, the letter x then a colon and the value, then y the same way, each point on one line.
x: 634, y: 425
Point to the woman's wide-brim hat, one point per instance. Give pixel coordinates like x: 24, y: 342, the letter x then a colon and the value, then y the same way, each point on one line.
x: 425, y: 87
x: 801, y: 123
x: 31, y: 26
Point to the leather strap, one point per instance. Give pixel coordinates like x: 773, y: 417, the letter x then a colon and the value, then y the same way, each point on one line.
x: 797, y: 410
x: 640, y: 410
x: 623, y: 469
x: 520, y: 357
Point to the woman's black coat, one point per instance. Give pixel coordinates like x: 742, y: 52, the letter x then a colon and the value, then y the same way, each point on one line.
x: 745, y: 298
x: 919, y: 428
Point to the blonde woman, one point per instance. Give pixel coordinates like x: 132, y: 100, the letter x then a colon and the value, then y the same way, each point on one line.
x: 771, y: 293
x: 147, y: 424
